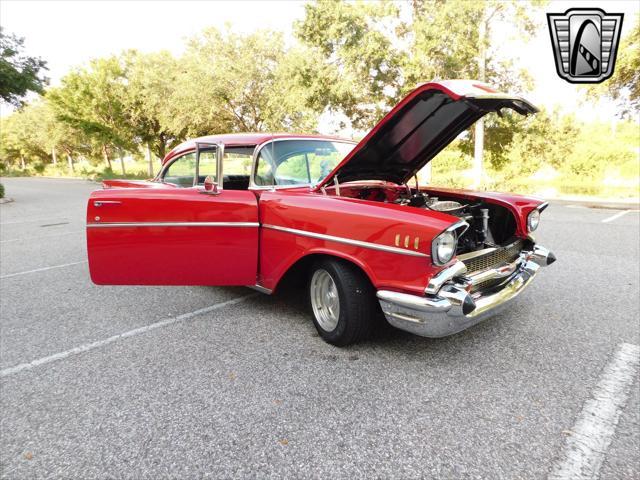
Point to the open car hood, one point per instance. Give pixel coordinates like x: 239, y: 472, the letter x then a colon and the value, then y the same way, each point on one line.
x: 421, y: 125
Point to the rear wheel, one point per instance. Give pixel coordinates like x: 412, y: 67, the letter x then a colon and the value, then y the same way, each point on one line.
x: 342, y: 301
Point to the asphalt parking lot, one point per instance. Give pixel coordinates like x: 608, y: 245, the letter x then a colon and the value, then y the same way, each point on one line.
x: 155, y: 382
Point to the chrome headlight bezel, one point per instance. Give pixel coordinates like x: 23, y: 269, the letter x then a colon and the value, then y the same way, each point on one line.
x: 443, y: 247
x: 533, y: 220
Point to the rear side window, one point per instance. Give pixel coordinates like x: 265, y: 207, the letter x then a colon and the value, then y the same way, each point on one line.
x: 182, y: 171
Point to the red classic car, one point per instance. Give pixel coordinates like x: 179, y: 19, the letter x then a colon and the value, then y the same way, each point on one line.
x: 249, y: 209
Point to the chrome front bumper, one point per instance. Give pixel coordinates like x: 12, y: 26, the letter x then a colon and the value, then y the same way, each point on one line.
x: 451, y: 305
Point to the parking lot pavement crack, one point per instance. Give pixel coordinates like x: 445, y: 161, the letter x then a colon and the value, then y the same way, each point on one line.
x: 131, y: 333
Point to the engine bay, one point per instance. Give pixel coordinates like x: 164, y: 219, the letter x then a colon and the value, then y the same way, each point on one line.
x: 490, y: 225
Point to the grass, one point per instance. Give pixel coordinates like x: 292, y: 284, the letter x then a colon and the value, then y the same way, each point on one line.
x: 562, y: 185
x: 133, y: 170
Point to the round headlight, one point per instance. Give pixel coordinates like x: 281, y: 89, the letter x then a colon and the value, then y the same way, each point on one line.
x: 533, y: 220
x: 444, y: 247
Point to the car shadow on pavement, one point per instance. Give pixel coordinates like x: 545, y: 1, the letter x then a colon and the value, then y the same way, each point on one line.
x: 291, y: 300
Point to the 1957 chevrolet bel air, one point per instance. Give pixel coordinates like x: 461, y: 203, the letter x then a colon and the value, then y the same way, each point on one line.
x: 434, y: 261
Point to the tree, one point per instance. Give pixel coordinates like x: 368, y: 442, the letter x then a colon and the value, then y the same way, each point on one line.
x: 34, y: 136
x: 92, y: 100
x: 624, y: 85
x: 151, y: 80
x: 353, y: 42
x: 19, y: 73
x: 235, y: 83
x: 22, y: 138
x: 453, y: 40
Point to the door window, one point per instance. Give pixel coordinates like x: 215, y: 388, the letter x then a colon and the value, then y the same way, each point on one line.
x: 181, y: 172
x: 208, y: 166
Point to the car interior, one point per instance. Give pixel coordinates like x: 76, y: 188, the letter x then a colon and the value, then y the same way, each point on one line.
x: 237, y: 162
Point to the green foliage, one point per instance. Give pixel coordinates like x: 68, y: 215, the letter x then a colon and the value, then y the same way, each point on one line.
x: 624, y: 85
x: 353, y: 44
x: 151, y: 80
x: 239, y: 83
x: 554, y: 154
x: 352, y: 58
x: 1, y: 190
x: 19, y: 74
x: 92, y: 100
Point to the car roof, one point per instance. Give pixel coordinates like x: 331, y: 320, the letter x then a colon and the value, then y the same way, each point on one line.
x: 244, y: 140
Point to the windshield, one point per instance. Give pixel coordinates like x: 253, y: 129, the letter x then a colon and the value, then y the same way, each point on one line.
x: 298, y: 162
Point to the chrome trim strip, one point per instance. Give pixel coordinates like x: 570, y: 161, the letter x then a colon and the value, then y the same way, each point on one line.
x: 477, y: 253
x: 413, y: 302
x: 456, y: 269
x: 503, y: 271
x: 173, y: 224
x: 459, y: 225
x: 260, y: 288
x: 348, y: 241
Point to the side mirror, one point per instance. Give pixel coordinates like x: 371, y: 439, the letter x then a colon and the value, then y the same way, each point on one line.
x: 210, y: 187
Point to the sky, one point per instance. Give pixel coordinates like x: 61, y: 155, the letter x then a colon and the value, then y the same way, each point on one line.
x: 70, y: 33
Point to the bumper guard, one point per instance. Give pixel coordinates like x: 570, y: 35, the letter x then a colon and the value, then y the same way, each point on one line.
x: 449, y: 305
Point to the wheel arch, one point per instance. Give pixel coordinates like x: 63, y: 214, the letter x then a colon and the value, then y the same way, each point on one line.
x: 300, y: 267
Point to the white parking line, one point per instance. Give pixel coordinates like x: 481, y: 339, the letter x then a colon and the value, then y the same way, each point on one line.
x: 43, y: 269
x: 41, y: 236
x: 131, y: 333
x: 33, y: 220
x: 593, y: 431
x: 617, y: 215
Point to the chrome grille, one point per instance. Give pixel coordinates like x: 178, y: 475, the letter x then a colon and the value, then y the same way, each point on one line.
x: 487, y: 284
x: 492, y: 259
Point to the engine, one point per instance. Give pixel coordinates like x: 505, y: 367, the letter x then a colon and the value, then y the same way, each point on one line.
x: 478, y: 215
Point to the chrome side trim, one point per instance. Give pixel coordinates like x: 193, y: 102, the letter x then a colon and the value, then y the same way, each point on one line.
x: 172, y: 224
x: 261, y: 289
x: 347, y: 241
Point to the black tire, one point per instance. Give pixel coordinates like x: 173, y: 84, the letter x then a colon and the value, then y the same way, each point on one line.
x: 358, y: 305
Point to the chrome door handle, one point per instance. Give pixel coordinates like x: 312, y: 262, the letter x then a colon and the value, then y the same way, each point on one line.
x: 99, y: 203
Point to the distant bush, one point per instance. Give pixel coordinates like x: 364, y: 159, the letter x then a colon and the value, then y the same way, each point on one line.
x: 1, y: 190
x: 552, y: 155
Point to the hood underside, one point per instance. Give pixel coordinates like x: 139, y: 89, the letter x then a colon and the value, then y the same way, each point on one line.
x: 419, y: 127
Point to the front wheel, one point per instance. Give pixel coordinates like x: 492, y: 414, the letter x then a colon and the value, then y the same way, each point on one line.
x: 342, y: 301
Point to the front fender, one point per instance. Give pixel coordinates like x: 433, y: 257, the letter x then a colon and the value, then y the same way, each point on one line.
x: 391, y: 244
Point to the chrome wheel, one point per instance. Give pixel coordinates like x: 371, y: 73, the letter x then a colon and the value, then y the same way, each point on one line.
x: 325, y: 300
